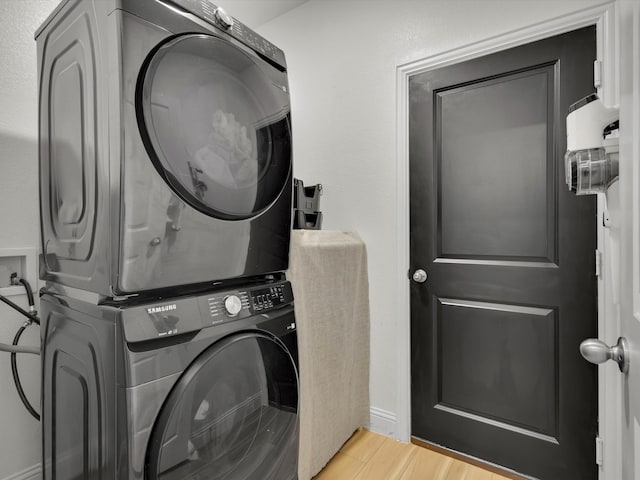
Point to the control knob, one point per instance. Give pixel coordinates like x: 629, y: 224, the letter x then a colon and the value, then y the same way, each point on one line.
x: 233, y: 305
x: 225, y: 20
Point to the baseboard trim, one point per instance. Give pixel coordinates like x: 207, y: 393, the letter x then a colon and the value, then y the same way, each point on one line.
x: 383, y: 422
x: 31, y: 473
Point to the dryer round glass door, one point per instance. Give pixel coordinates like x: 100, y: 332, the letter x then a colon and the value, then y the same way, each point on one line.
x: 232, y: 415
x: 215, y: 123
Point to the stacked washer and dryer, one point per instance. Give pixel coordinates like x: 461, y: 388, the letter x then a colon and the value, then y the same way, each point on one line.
x: 168, y: 332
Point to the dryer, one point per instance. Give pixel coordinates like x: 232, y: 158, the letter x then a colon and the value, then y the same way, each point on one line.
x: 165, y: 147
x: 195, y: 387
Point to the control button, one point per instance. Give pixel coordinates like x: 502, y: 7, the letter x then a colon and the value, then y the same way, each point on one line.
x: 233, y: 305
x: 223, y: 18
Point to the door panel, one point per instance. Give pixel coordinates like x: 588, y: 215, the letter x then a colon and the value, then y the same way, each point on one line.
x: 521, y: 396
x: 506, y: 219
x: 509, y: 252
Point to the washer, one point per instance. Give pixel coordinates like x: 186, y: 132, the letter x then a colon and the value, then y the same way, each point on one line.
x: 165, y: 147
x: 196, y: 387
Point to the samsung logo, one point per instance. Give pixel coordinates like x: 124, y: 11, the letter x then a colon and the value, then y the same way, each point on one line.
x: 161, y: 309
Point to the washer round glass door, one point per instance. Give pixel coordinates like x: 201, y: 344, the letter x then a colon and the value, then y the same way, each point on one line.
x: 215, y: 123
x: 232, y: 415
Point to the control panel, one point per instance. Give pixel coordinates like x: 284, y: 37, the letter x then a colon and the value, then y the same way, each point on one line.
x: 243, y: 303
x: 218, y: 17
x: 267, y: 298
x: 187, y: 314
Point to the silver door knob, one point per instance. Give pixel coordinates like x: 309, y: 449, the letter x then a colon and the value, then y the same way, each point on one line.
x: 596, y: 351
x: 419, y: 276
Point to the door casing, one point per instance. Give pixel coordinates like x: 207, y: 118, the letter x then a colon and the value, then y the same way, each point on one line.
x: 604, y: 18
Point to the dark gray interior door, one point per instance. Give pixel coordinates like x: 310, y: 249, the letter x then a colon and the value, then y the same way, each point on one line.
x: 509, y: 255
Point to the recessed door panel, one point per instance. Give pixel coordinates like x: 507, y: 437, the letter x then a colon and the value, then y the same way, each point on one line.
x: 495, y: 171
x: 498, y: 362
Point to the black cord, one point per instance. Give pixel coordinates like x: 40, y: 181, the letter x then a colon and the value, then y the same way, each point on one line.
x: 27, y: 287
x: 20, y: 310
x: 16, y: 377
x: 14, y: 363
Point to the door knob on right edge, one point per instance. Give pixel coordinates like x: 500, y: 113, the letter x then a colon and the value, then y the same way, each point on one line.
x: 419, y: 276
x: 596, y: 351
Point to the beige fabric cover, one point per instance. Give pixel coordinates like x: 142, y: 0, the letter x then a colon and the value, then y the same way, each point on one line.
x: 328, y: 272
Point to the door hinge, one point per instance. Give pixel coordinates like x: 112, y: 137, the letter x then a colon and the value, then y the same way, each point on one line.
x: 598, y: 264
x: 597, y: 73
x: 599, y: 451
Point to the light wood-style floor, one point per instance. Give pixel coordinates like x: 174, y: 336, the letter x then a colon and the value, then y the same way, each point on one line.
x: 369, y: 456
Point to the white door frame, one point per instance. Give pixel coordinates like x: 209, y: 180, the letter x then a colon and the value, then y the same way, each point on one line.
x: 604, y: 17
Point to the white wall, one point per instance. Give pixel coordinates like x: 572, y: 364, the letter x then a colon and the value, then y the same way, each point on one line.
x: 21, y: 439
x: 18, y: 120
x: 342, y: 58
